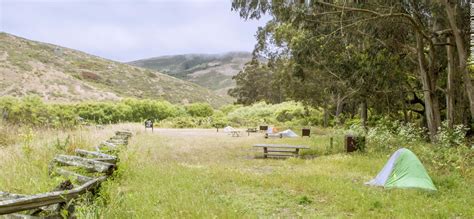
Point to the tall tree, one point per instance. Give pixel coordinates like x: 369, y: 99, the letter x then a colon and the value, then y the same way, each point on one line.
x: 332, y: 34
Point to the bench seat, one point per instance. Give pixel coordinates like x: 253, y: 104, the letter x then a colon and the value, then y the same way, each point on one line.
x: 280, y: 150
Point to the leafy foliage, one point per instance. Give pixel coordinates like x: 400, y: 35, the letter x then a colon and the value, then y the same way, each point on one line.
x: 31, y: 111
x: 451, y: 137
x: 384, y: 57
x: 199, y: 110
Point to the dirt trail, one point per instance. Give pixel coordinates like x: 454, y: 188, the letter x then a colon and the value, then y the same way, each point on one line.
x: 200, y: 133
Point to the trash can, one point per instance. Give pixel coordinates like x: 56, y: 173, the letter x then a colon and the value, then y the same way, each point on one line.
x: 354, y: 143
x: 305, y: 132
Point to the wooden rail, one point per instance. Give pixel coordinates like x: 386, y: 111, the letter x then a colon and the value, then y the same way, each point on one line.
x: 44, y: 199
x: 93, y: 161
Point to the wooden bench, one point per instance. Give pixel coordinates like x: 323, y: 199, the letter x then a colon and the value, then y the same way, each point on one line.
x: 280, y: 150
x: 273, y: 135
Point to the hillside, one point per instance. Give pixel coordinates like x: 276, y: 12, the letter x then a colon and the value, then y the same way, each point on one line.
x: 213, y: 71
x: 60, y: 74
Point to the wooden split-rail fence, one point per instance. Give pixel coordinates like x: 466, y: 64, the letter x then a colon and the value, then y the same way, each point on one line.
x: 101, y: 163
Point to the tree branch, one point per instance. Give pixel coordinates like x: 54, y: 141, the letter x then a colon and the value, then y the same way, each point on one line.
x: 413, y: 22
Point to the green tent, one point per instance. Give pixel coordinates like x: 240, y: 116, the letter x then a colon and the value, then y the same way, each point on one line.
x: 403, y: 170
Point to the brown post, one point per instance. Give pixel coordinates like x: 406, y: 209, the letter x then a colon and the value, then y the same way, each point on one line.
x: 265, y: 152
x: 350, y: 143
x: 354, y: 143
x: 305, y: 132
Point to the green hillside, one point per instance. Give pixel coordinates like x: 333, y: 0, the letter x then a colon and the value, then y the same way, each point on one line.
x: 60, y: 74
x: 213, y: 71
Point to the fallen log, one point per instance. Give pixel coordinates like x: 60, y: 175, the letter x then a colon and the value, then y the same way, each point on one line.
x: 124, y: 133
x: 44, y: 199
x: 98, y: 156
x: 78, y: 177
x: 88, y: 164
x: 7, y: 196
x: 23, y: 216
x: 114, y: 140
x: 119, y: 137
x: 106, y: 146
x: 121, y: 143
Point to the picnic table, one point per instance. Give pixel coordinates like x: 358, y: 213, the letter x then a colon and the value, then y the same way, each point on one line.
x: 251, y: 130
x: 280, y: 150
x: 235, y: 133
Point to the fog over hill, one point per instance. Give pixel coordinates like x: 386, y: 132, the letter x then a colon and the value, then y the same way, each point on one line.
x: 213, y: 71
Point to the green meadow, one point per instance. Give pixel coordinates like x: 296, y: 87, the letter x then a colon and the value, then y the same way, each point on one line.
x: 201, y: 173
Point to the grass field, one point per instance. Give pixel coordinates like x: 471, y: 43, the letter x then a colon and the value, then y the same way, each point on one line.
x: 198, y: 173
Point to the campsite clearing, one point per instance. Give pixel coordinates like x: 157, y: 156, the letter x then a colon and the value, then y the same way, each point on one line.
x: 198, y: 173
x: 201, y: 173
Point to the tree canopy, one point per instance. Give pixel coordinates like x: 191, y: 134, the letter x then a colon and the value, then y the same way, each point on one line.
x: 404, y: 59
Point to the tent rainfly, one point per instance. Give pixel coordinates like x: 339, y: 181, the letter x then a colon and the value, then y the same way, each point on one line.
x: 288, y: 133
x: 228, y: 129
x: 403, y: 170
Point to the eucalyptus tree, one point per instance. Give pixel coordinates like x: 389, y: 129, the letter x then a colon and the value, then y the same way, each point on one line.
x: 331, y: 35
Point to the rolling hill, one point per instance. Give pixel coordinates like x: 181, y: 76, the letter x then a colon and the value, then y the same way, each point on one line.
x: 63, y: 75
x: 213, y: 71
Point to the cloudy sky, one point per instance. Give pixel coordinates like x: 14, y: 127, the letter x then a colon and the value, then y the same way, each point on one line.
x: 126, y: 30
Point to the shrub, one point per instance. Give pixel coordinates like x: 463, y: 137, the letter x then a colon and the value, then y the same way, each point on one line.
x: 31, y: 111
x: 226, y: 109
x: 150, y: 109
x: 388, y: 135
x: 219, y: 122
x: 178, y: 122
x: 199, y: 110
x: 289, y: 113
x: 448, y: 159
x: 8, y: 135
x: 448, y: 137
x: 90, y: 76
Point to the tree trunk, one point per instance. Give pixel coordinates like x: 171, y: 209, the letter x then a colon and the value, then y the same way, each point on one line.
x: 363, y: 113
x: 462, y: 54
x: 339, y: 108
x: 432, y: 114
x: 326, y: 117
x: 450, y: 84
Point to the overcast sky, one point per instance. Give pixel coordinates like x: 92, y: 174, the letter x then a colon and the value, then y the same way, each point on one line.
x: 126, y: 30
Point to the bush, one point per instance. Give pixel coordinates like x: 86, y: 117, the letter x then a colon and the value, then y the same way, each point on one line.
x: 448, y: 159
x: 447, y: 137
x: 178, y: 122
x: 219, y: 122
x: 199, y: 110
x: 226, y: 109
x: 31, y: 111
x: 448, y: 155
x: 388, y: 135
x: 282, y: 114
